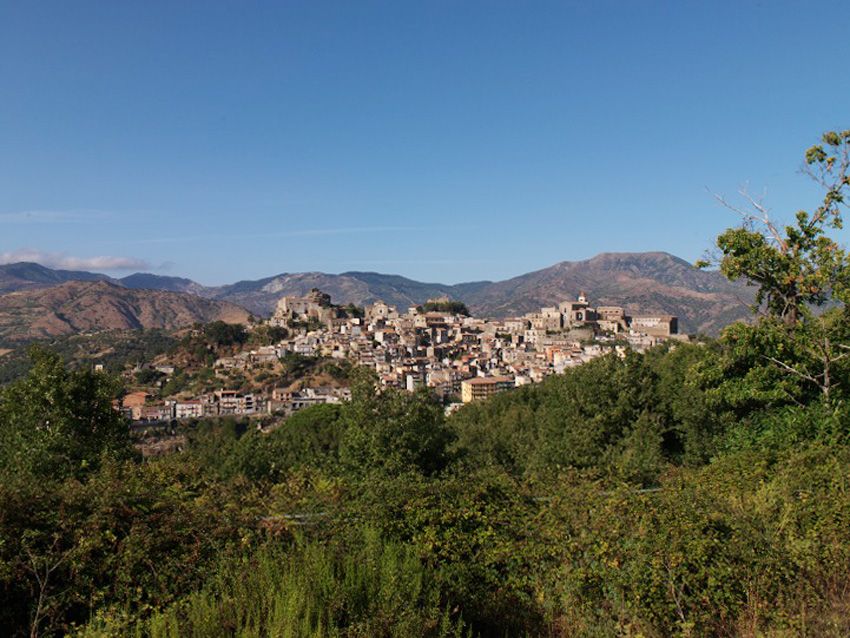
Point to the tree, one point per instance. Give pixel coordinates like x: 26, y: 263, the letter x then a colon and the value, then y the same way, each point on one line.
x: 444, y: 305
x: 266, y: 335
x: 220, y: 333
x: 393, y: 431
x: 798, y: 269
x: 148, y: 376
x: 57, y: 421
x: 797, y: 266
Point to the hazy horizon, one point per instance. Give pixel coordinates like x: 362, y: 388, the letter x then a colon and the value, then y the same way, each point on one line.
x: 167, y: 272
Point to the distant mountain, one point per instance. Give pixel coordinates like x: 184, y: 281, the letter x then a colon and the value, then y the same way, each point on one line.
x: 359, y: 288
x: 79, y: 306
x: 148, y: 281
x: 704, y: 301
x: 259, y: 296
x: 642, y: 282
x: 407, y: 292
x: 26, y: 275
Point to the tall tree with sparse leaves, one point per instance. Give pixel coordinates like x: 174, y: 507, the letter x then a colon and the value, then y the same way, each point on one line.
x: 799, y: 265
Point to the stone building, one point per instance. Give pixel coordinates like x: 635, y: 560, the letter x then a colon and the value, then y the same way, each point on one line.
x: 611, y: 318
x: 576, y: 312
x: 315, y: 305
x: 379, y: 311
x: 655, y: 325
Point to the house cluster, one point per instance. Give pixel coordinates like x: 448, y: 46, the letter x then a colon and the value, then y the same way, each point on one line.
x: 578, y: 315
x: 456, y: 356
x: 473, y: 358
x: 141, y: 408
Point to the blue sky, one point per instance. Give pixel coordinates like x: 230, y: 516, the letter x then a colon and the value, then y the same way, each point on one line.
x: 445, y: 141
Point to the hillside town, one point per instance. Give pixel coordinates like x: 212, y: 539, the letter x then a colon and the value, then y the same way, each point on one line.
x: 438, y: 346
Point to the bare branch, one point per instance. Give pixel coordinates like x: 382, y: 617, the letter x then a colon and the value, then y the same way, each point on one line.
x: 759, y: 215
x: 840, y: 357
x: 793, y: 370
x: 42, y: 580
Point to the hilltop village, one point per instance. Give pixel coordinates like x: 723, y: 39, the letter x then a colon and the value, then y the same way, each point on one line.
x: 438, y: 345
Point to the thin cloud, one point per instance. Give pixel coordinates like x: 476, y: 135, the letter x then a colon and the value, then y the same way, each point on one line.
x: 51, y: 216
x: 407, y: 262
x: 68, y: 262
x: 308, y: 232
x: 345, y: 231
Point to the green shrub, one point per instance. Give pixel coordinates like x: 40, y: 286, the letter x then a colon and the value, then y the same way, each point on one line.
x: 373, y: 589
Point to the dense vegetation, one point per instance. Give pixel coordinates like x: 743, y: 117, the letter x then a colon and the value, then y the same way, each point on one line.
x: 638, y: 494
x: 115, y: 349
x: 693, y: 490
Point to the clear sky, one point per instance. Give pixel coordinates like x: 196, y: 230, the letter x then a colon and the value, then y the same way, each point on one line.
x: 445, y: 141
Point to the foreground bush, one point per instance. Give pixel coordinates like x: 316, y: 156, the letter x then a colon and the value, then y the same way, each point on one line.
x: 374, y: 589
x: 754, y: 544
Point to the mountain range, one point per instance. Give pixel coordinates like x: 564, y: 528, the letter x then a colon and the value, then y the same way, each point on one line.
x: 89, y: 306
x: 659, y: 282
x: 26, y: 275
